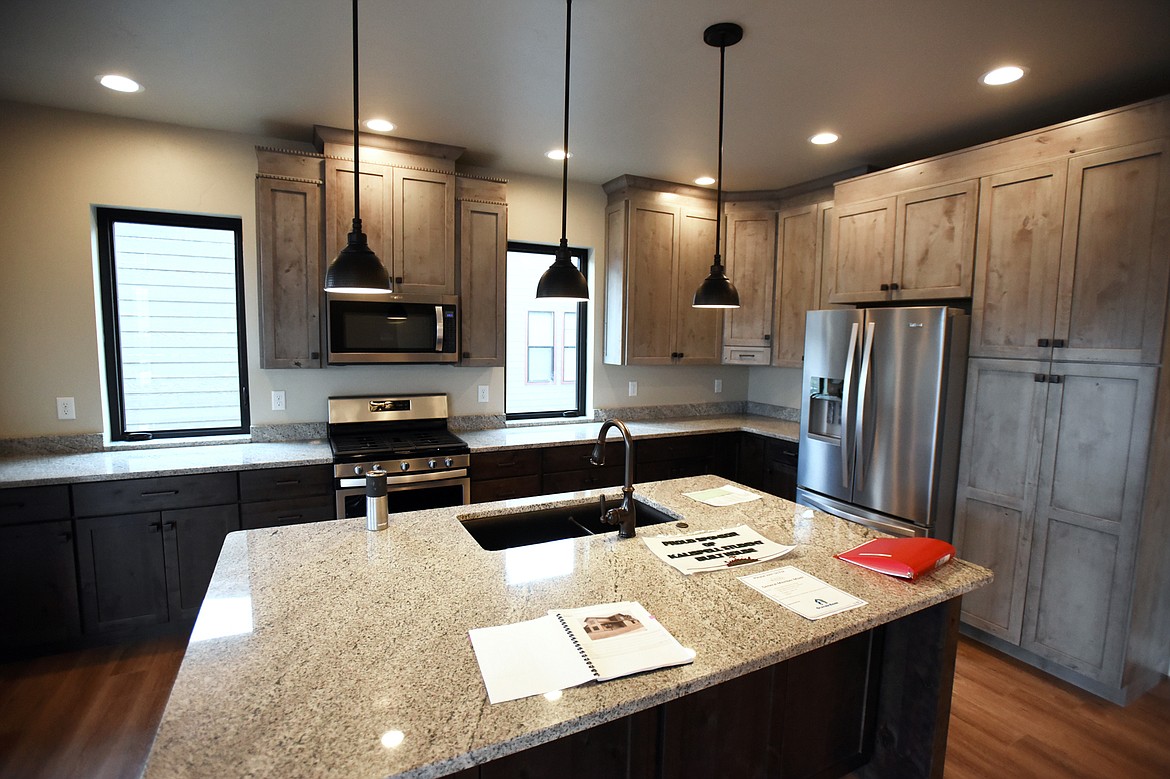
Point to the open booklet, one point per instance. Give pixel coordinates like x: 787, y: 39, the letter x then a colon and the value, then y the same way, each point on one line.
x: 569, y: 647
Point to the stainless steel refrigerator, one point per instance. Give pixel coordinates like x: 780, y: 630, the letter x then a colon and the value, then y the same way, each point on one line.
x: 881, y: 416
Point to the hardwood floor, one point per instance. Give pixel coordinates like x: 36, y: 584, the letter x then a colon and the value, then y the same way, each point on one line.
x: 93, y: 713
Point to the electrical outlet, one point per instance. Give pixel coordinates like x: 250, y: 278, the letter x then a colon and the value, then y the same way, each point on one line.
x: 278, y: 400
x: 66, y: 408
x: 718, y: 386
x: 483, y: 393
x: 633, y: 388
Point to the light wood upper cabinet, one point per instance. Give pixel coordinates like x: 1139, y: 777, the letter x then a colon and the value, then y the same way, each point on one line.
x: 408, y: 217
x: 863, y: 234
x: 424, y: 234
x: 659, y: 248
x: 483, y: 263
x: 917, y: 245
x: 798, y: 280
x: 1021, y: 218
x: 1115, y: 260
x: 750, y: 256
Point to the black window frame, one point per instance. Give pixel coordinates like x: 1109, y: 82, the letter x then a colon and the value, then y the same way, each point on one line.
x: 580, y: 254
x: 105, y: 218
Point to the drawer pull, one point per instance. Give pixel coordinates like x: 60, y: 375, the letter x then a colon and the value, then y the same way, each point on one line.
x: 288, y: 482
x: 159, y: 494
x: 156, y: 527
x: 290, y: 516
x: 65, y: 535
x: 509, y: 464
x: 17, y: 505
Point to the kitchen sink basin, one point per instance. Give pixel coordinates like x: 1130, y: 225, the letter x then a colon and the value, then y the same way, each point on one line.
x: 538, y: 526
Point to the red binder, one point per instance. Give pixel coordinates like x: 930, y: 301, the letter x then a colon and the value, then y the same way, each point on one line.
x: 907, y: 558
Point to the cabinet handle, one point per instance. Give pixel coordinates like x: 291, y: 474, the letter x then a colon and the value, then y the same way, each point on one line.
x: 1056, y: 379
x: 681, y: 355
x: 467, y: 355
x: 156, y: 527
x: 509, y: 464
x: 65, y: 535
x: 287, y: 482
x: 1039, y: 378
x: 1058, y: 343
x: 290, y: 516
x: 1043, y: 343
x: 159, y: 494
x: 17, y: 505
x: 170, y: 525
x: 884, y: 287
x: 894, y: 286
x: 767, y: 337
x: 397, y: 279
x: 506, y: 495
x: 314, y: 355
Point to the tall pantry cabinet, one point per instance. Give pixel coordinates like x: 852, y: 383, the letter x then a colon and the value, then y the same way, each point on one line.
x: 1063, y: 483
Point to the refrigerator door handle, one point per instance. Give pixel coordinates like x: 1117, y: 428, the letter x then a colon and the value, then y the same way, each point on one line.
x: 847, y: 411
x: 863, y: 397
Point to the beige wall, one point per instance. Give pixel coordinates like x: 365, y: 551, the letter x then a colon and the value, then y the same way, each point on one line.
x: 58, y: 165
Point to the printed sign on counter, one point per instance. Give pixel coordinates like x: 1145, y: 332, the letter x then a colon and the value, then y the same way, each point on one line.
x: 715, y: 550
x: 803, y: 593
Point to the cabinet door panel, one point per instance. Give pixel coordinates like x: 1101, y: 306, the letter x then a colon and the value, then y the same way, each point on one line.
x: 797, y: 282
x: 999, y: 467
x: 123, y: 573
x: 934, y: 244
x: 483, y: 251
x: 699, y: 331
x: 649, y: 293
x: 377, y: 219
x: 1116, y: 256
x: 291, y: 278
x: 39, y: 584
x: 750, y: 258
x: 424, y: 232
x: 1087, y: 516
x: 1021, y: 215
x: 864, y: 237
x: 194, y: 538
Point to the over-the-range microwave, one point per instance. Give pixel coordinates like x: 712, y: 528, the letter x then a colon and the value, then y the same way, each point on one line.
x: 391, y: 328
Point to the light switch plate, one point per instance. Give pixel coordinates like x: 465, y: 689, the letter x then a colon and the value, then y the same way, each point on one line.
x: 278, y: 400
x: 66, y: 408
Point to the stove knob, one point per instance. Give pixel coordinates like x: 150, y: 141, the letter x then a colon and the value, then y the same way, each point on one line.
x: 431, y: 463
x: 448, y: 462
x: 404, y: 466
x: 357, y: 469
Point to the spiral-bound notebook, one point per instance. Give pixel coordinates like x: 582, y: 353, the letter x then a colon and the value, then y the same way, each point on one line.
x: 569, y: 647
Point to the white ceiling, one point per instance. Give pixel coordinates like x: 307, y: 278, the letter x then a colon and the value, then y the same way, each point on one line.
x: 897, y: 79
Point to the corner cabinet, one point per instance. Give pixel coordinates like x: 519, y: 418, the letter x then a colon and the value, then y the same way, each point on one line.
x: 660, y: 243
x: 482, y: 236
x: 804, y: 243
x: 916, y: 245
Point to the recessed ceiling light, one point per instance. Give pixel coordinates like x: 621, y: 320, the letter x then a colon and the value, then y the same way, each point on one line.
x: 380, y: 125
x: 821, y: 139
x: 1005, y: 75
x: 557, y: 154
x: 119, y: 83
x: 705, y: 181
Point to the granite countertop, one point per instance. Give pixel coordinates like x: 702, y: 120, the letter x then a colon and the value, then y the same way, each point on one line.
x: 330, y: 636
x: 33, y: 470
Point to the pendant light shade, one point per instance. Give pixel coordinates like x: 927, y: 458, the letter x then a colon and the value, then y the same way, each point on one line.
x: 563, y: 279
x: 356, y: 268
x: 717, y: 291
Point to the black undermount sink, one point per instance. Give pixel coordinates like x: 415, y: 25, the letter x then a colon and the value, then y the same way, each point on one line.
x: 538, y: 526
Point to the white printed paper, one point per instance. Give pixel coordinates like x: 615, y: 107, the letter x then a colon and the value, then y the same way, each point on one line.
x: 803, y: 593
x: 714, y: 550
x: 727, y: 495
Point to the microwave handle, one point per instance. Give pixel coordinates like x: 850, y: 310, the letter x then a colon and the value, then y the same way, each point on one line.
x: 438, y: 328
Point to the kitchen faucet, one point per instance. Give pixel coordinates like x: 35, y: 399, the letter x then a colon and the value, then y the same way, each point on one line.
x: 623, y: 515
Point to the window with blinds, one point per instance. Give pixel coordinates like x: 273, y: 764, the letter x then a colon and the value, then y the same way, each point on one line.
x: 172, y: 305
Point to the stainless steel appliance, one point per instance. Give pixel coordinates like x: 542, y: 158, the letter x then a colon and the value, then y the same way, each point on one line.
x: 392, y: 328
x: 881, y: 416
x: 406, y: 436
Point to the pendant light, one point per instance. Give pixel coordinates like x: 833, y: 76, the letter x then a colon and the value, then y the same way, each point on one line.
x: 356, y: 268
x: 717, y: 291
x: 563, y: 279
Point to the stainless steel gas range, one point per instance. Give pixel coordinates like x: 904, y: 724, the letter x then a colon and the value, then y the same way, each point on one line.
x: 406, y: 436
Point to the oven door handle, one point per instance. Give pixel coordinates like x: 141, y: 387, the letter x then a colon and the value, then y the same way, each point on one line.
x: 409, y: 478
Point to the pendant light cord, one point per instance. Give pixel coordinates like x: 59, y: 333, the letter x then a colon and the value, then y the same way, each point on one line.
x: 719, y: 186
x: 565, y: 146
x: 357, y: 207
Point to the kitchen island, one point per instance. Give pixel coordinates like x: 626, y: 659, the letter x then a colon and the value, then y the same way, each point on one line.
x: 328, y: 650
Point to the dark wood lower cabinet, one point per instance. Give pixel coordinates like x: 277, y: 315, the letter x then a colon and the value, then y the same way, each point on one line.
x: 873, y: 705
x: 145, y: 569
x: 38, y: 586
